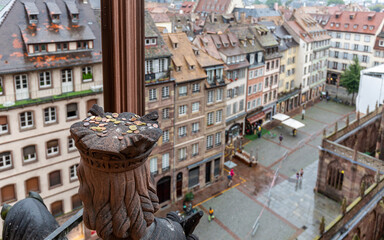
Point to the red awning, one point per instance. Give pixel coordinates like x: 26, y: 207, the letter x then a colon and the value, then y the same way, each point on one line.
x: 256, y: 117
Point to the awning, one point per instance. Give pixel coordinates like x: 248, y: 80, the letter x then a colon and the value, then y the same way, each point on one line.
x: 205, y: 160
x: 256, y: 117
x: 280, y: 117
x: 292, y: 123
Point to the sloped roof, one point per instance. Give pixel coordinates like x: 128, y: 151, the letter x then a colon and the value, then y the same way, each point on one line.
x: 360, y: 22
x: 257, y: 12
x: 158, y: 50
x: 206, y: 43
x: 187, y: 7
x: 246, y: 36
x: 16, y: 33
x: 263, y: 36
x: 160, y: 17
x: 183, y: 55
x: 216, y: 6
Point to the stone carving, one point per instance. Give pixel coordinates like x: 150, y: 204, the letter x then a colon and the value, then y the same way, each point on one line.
x: 115, y: 183
x: 27, y: 219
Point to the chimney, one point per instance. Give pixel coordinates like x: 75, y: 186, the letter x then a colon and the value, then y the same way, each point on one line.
x: 276, y: 6
x: 213, y: 17
x: 242, y: 16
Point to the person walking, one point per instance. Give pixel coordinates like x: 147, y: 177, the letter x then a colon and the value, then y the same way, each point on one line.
x: 280, y: 138
x: 294, y: 132
x: 211, y: 215
x: 301, y: 174
x: 302, y: 113
x: 230, y: 177
x: 258, y: 131
x: 297, y: 177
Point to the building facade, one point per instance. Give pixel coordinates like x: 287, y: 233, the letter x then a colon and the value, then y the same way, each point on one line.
x: 378, y: 49
x: 354, y: 35
x: 50, y: 75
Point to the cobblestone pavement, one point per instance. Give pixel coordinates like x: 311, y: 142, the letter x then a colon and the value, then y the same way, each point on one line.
x: 294, y: 210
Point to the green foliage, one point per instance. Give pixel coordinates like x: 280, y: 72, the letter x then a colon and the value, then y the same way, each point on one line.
x: 350, y: 78
x: 287, y: 3
x: 257, y: 2
x: 271, y: 3
x: 377, y: 7
x: 87, y: 76
x: 189, y: 197
x: 336, y: 2
x: 1, y: 89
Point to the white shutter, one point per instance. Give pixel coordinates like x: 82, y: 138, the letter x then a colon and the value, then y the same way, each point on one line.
x: 156, y: 65
x: 153, y: 165
x: 165, y: 163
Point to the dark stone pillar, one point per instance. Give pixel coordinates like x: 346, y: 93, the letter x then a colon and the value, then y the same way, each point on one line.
x: 123, y: 55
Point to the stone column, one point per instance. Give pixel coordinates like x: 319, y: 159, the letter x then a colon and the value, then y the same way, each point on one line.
x: 123, y: 55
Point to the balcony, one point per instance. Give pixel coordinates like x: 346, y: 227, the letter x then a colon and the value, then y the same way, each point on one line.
x: 151, y: 78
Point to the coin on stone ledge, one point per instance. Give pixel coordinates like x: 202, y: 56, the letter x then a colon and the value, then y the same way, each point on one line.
x: 129, y: 131
x: 109, y: 116
x: 117, y: 122
x: 137, y: 131
x: 132, y: 127
x: 120, y: 137
x: 155, y: 125
x: 115, y: 115
x: 86, y: 124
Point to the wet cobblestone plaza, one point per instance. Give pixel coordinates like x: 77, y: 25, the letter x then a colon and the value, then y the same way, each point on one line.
x: 294, y: 210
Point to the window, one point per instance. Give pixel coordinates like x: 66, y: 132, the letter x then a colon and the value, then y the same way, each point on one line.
x: 66, y: 75
x: 76, y: 202
x: 266, y: 82
x: 45, y: 79
x: 235, y: 107
x: 365, y: 59
x: 29, y: 153
x: 337, y: 46
x: 1, y: 86
x: 229, y: 110
x: 55, y: 178
x: 219, y: 95
x: 210, y: 118
x: 5, y: 160
x: 50, y: 115
x: 90, y: 103
x: 8, y: 194
x: 152, y: 94
x: 72, y: 111
x: 165, y: 92
x: 40, y: 48
x: 356, y: 47
x: 249, y: 90
x: 82, y: 45
x: 182, y: 154
x: 165, y: 136
x: 335, y: 176
x: 286, y: 85
x: 255, y: 88
x: 219, y: 116
x: 216, y: 171
x: 210, y: 96
x: 193, y: 177
x: 87, y: 74
x: 259, y: 101
x: 71, y: 145
x: 57, y: 208
x: 153, y: 165
x: 345, y: 56
x: 357, y: 37
x: 150, y: 41
x: 182, y: 110
x: 183, y: 131
x: 73, y: 172
x: 344, y: 66
x: 52, y: 148
x: 183, y: 91
x: 366, y: 48
x: 381, y: 44
x: 367, y: 38
x: 260, y: 87
x: 26, y: 120
x: 265, y: 98
x: 209, y: 141
x: 3, y: 125
x: 32, y: 184
x: 195, y: 127
x: 347, y: 36
x: 338, y: 35
x: 336, y: 54
x: 218, y: 138
x: 241, y: 105
x: 165, y: 113
x: 62, y: 47
x: 165, y: 162
x: 195, y: 107
x: 196, y: 87
x: 195, y: 149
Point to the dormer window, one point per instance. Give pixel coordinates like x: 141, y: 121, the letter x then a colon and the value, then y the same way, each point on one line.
x: 61, y: 47
x: 218, y: 45
x: 175, y: 45
x: 82, y: 45
x: 196, y: 51
x: 346, y: 25
x: 75, y: 17
x: 355, y: 26
x: 225, y: 44
x: 371, y: 27
x: 40, y: 48
x: 73, y: 10
x: 150, y: 41
x: 365, y: 27
x: 332, y: 24
x: 32, y: 17
x: 178, y: 69
x: 53, y: 10
x: 337, y: 25
x: 56, y: 17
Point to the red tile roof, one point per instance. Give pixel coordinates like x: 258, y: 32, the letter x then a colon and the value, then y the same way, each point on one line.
x: 356, y: 22
x: 216, y: 6
x: 187, y: 7
x: 160, y: 17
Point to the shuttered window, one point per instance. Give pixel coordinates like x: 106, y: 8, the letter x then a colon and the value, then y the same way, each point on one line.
x: 32, y: 184
x: 8, y: 194
x: 52, y: 147
x: 55, y: 178
x: 193, y: 177
x: 72, y: 111
x: 76, y: 202
x: 29, y: 153
x: 57, y: 208
x: 3, y: 125
x: 90, y: 103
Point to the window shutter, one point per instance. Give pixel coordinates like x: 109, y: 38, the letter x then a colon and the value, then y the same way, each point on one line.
x: 72, y: 107
x: 90, y: 103
x: 76, y: 201
x: 29, y: 150
x: 8, y: 193
x: 3, y: 120
x: 32, y: 184
x: 57, y: 208
x: 54, y: 178
x: 52, y: 143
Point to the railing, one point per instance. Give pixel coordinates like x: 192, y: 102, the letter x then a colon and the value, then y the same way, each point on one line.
x: 67, y: 226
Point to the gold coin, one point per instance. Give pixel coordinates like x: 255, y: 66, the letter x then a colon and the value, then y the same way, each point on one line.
x: 117, y: 122
x: 112, y: 120
x: 129, y: 131
x: 132, y: 127
x: 91, y: 117
x: 98, y: 119
x: 115, y: 115
x: 109, y: 116
x: 124, y: 119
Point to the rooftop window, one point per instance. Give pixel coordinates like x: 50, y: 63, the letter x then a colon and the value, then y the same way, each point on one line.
x: 150, y: 41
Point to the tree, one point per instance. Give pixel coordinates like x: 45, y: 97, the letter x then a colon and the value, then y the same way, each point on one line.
x: 350, y: 78
x: 377, y: 7
x: 336, y: 2
x: 271, y: 3
x: 257, y: 2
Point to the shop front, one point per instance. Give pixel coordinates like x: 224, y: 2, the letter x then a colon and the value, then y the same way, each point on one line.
x: 252, y: 120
